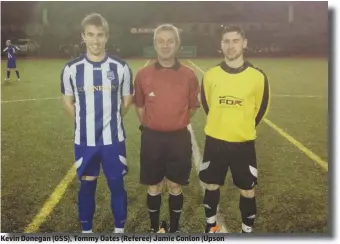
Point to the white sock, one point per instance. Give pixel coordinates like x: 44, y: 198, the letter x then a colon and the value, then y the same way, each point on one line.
x: 119, y: 230
x: 87, y: 231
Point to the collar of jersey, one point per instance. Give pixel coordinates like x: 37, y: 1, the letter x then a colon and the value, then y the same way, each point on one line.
x: 176, y: 66
x: 230, y: 70
x: 97, y: 63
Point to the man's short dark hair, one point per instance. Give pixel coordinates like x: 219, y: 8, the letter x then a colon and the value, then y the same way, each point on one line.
x: 233, y: 28
x: 96, y: 20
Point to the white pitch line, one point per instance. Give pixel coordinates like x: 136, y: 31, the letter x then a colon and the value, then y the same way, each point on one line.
x: 147, y: 62
x: 30, y: 99
x: 297, y: 96
x: 273, y: 95
x: 46, y: 98
x: 193, y: 64
x: 54, y: 98
x: 196, y: 155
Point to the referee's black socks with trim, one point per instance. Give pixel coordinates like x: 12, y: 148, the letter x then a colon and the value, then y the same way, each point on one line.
x: 248, y: 213
x: 154, y: 205
x: 210, y: 201
x: 175, y: 208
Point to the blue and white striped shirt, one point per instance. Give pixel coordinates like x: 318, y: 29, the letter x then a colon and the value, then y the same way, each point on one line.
x: 11, y: 51
x: 98, y: 88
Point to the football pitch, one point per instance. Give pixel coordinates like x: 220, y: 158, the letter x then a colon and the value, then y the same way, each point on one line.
x: 39, y: 191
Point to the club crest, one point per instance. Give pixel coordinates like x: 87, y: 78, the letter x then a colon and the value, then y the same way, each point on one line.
x: 110, y: 75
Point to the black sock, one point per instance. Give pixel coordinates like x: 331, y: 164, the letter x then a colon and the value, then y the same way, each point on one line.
x: 211, y: 200
x: 17, y: 72
x: 8, y: 74
x: 248, y: 212
x: 154, y: 206
x: 175, y: 208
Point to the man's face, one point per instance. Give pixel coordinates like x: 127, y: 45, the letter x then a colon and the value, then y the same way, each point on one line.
x: 95, y: 39
x: 233, y: 45
x: 166, y: 44
x: 8, y: 43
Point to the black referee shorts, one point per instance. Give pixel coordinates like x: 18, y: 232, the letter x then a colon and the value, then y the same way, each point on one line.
x: 165, y: 154
x: 220, y: 155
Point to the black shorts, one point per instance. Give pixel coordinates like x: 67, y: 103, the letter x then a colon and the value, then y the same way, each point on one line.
x: 220, y: 155
x: 165, y: 154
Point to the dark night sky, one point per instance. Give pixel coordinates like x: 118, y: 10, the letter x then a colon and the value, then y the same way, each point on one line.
x: 148, y: 12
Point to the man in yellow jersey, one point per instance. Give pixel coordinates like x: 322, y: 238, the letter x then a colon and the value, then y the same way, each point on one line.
x: 235, y: 97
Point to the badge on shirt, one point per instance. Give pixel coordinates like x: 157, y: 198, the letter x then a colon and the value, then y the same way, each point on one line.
x: 110, y: 75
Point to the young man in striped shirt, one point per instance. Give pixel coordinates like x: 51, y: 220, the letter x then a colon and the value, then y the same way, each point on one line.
x: 97, y: 92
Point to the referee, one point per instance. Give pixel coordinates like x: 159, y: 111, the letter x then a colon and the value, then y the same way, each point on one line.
x: 166, y: 96
x: 235, y: 97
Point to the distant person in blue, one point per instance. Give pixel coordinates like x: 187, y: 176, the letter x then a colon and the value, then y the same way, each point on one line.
x: 11, y: 64
x: 97, y: 92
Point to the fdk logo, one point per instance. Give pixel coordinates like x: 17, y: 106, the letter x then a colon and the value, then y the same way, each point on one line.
x: 231, y: 101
